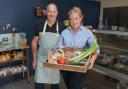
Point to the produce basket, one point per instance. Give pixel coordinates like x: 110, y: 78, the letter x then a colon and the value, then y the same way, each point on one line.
x: 70, y: 59
x: 77, y: 67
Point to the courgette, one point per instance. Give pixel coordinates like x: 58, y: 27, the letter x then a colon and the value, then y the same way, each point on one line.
x: 76, y: 63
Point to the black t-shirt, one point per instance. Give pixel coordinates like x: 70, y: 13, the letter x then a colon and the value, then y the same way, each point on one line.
x: 40, y: 26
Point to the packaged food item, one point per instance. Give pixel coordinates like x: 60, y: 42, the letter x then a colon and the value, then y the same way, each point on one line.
x: 6, y: 41
x: 19, y: 69
x: 3, y: 57
x: 19, y: 40
x: 19, y: 55
x: 24, y: 68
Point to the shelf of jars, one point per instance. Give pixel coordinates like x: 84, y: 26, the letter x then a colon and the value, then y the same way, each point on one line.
x: 14, y: 54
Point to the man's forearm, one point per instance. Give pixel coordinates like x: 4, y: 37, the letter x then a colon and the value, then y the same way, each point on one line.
x: 34, y: 49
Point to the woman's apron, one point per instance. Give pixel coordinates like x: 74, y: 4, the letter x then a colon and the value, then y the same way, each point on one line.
x: 47, y: 41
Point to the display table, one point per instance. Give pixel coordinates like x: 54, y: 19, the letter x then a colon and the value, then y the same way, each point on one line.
x: 123, y: 78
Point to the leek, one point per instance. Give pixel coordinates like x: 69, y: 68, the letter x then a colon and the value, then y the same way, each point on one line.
x: 86, y: 53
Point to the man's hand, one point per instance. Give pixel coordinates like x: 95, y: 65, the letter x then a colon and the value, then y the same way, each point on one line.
x: 34, y: 64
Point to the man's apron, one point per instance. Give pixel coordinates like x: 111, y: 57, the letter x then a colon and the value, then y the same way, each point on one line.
x: 47, y: 41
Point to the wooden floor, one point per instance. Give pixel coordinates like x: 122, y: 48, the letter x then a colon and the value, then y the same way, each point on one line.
x: 94, y: 81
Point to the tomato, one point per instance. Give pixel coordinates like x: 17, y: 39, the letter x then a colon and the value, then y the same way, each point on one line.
x: 60, y: 60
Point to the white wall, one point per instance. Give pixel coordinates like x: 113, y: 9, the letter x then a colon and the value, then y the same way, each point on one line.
x: 111, y: 3
x: 114, y: 3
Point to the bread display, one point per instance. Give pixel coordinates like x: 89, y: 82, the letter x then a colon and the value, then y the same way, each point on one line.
x: 12, y: 70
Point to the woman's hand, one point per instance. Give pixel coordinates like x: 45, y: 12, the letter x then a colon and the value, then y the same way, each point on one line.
x: 92, y: 59
x: 91, y: 64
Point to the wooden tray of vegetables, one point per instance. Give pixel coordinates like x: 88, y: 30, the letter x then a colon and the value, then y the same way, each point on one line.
x: 68, y: 59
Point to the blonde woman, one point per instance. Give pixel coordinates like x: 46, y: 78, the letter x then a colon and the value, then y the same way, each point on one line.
x: 76, y: 36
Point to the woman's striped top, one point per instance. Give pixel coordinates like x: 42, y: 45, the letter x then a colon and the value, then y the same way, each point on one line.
x: 83, y: 38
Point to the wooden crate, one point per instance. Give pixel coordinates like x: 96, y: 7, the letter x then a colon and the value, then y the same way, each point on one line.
x: 66, y: 67
x: 74, y: 68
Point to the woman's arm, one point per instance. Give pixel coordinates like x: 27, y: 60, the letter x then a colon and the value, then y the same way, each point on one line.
x: 93, y: 59
x: 94, y: 55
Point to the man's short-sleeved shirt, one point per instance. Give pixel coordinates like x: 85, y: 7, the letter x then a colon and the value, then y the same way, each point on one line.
x: 40, y: 27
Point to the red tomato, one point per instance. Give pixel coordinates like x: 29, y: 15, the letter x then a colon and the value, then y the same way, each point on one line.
x: 60, y: 60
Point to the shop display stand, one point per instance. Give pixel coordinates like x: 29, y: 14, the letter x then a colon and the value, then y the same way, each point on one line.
x: 112, y: 42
